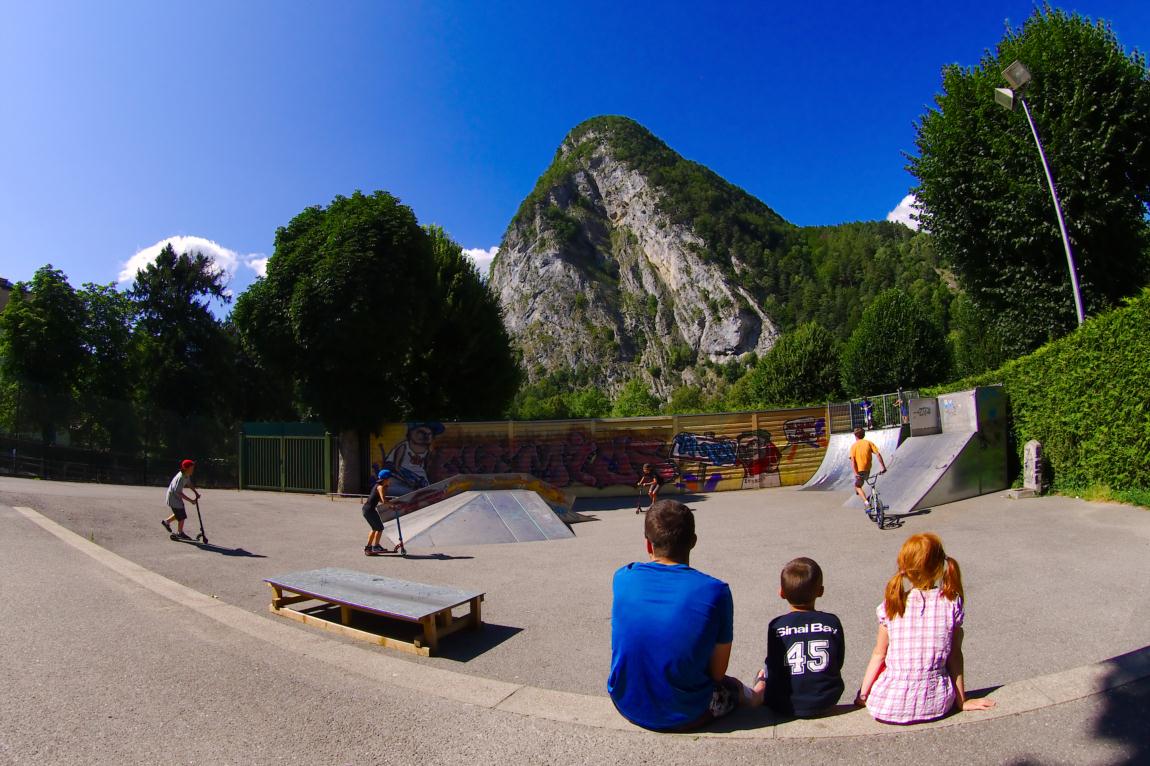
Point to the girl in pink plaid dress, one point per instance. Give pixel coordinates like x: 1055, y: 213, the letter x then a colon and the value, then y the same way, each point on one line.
x: 915, y: 672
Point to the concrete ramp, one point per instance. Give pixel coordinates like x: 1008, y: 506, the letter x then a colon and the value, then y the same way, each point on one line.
x: 479, y: 518
x: 835, y: 472
x: 957, y: 450
x: 561, y: 501
x: 916, y: 467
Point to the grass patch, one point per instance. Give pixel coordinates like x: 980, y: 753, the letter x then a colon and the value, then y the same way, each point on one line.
x: 1100, y: 493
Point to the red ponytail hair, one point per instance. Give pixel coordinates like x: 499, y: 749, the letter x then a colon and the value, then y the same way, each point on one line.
x: 923, y: 562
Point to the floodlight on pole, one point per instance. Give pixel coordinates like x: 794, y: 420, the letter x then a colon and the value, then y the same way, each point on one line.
x: 1009, y: 98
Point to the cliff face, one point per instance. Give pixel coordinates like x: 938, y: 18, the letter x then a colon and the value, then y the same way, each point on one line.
x: 604, y: 269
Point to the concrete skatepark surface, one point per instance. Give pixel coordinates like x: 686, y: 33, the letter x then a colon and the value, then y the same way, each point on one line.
x: 1029, y: 567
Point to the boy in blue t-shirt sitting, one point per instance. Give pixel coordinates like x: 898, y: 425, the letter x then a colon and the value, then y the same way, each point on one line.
x: 671, y: 632
x: 805, y: 649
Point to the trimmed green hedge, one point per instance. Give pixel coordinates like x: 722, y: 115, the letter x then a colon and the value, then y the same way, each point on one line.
x: 1086, y: 397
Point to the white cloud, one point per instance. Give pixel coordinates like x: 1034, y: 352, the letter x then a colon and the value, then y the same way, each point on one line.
x: 482, y: 258
x: 226, y: 260
x: 258, y: 265
x: 906, y: 213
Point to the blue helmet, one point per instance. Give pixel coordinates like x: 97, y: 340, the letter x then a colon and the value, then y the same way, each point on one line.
x: 384, y: 474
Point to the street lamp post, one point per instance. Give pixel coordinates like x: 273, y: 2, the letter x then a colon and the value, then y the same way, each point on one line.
x: 1019, y: 77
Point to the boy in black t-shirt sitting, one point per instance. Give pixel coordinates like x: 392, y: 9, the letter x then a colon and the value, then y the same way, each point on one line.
x: 805, y: 649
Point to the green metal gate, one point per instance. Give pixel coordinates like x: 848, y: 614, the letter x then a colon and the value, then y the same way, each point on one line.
x: 288, y: 457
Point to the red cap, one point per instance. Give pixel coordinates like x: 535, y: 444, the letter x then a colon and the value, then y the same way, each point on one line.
x: 185, y: 465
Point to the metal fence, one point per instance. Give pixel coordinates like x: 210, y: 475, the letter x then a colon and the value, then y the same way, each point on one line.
x: 884, y: 412
x: 288, y: 457
x: 29, y: 458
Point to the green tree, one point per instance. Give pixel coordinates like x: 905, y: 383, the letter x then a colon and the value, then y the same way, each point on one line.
x: 104, y: 388
x: 41, y: 350
x: 984, y: 195
x: 895, y: 344
x: 634, y: 400
x: 802, y: 367
x: 261, y: 393
x: 686, y: 400
x: 464, y: 367
x: 974, y: 338
x: 342, y: 313
x: 184, y: 359
x: 589, y: 403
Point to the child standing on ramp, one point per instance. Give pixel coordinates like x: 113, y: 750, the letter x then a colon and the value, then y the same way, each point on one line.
x: 916, y: 670
x: 177, y: 496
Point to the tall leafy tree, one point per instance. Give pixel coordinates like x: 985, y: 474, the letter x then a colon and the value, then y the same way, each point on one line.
x: 463, y: 363
x: 41, y: 349
x: 104, y: 389
x: 634, y: 400
x: 342, y: 313
x: 984, y: 195
x: 894, y: 345
x: 183, y: 356
x: 801, y: 368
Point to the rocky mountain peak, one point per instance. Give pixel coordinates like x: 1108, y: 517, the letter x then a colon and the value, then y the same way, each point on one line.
x: 626, y: 259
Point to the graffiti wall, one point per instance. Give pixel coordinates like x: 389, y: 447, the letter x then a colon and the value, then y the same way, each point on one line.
x: 694, y: 453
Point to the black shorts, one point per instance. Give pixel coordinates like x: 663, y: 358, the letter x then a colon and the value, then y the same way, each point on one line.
x: 861, y: 477
x: 371, y: 516
x: 179, y: 513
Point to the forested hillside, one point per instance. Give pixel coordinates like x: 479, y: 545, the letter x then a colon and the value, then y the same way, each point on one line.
x: 628, y: 262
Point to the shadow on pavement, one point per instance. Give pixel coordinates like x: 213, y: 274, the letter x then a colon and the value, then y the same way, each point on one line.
x: 220, y: 550
x: 1127, y: 705
x: 430, y: 557
x: 629, y: 502
x: 462, y: 646
x: 895, y: 521
x: 466, y: 645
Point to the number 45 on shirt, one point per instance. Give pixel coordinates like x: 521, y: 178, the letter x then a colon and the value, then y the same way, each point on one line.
x: 813, y: 656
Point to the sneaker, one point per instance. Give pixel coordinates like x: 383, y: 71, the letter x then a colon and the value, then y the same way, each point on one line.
x: 368, y: 551
x: 167, y: 526
x: 182, y: 536
x: 378, y: 549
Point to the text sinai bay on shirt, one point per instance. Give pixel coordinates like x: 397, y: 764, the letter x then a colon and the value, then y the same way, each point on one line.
x: 814, y: 627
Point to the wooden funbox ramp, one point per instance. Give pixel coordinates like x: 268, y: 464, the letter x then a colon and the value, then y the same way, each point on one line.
x: 428, y: 606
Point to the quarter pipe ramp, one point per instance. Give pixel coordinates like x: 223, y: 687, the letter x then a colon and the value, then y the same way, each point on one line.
x: 835, y: 472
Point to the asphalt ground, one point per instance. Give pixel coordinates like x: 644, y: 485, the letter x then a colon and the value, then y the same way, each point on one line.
x: 1051, y: 583
x: 98, y: 670
x: 547, y: 609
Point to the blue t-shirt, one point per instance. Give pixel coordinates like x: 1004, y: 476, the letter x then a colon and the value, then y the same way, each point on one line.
x: 665, y: 623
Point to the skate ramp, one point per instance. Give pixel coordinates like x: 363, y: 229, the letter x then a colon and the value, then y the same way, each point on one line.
x: 965, y: 459
x: 914, y: 470
x: 835, y: 472
x: 480, y: 518
x: 561, y: 501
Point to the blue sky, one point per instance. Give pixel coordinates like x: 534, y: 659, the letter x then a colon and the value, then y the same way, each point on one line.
x: 126, y: 123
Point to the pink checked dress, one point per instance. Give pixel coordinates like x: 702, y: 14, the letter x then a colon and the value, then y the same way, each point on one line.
x: 915, y: 685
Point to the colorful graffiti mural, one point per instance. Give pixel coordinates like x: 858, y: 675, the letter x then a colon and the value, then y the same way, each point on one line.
x: 692, y: 453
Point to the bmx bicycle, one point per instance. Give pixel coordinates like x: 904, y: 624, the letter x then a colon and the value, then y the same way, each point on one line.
x: 876, y: 509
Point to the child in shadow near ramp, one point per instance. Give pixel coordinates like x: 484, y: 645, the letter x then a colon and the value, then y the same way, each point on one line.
x: 377, y: 495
